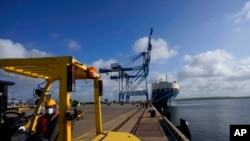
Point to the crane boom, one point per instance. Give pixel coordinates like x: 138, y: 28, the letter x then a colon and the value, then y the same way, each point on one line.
x: 132, y: 81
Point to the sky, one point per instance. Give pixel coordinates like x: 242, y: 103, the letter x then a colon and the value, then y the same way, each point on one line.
x: 203, y: 45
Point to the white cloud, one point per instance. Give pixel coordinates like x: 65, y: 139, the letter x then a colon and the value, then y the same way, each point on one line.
x: 73, y: 44
x: 102, y: 63
x: 160, y: 50
x: 215, y: 73
x: 111, y: 90
x: 243, y: 14
x: 187, y: 57
x: 245, y: 11
x: 206, y: 64
x: 9, y: 49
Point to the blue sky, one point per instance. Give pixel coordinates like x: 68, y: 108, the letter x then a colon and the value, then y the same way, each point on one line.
x: 204, y: 45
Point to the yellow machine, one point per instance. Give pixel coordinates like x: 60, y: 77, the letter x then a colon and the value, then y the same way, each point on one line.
x: 66, y: 70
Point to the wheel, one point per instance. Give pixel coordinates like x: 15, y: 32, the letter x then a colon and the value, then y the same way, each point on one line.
x: 14, y: 118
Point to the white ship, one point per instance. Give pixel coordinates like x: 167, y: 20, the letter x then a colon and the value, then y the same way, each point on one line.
x: 163, y: 93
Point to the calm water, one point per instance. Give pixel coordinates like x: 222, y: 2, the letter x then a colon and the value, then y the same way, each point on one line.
x: 209, y: 120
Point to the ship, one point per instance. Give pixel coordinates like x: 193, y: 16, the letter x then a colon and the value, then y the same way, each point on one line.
x: 163, y: 94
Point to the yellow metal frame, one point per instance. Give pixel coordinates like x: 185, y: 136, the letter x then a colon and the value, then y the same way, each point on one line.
x: 55, y: 69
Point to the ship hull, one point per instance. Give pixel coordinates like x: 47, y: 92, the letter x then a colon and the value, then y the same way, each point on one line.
x: 161, y: 98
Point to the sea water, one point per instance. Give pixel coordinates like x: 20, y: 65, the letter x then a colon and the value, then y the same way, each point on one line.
x: 210, y: 120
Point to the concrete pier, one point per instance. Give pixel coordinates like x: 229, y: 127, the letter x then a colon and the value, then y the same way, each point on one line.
x: 148, y: 127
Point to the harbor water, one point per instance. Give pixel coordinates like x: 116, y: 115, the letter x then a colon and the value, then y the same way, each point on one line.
x: 210, y: 120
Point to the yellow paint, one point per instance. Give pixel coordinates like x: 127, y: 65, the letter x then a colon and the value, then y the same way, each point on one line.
x: 55, y: 69
x: 116, y: 136
x: 97, y: 101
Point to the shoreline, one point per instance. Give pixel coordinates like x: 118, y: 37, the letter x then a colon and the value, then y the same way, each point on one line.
x: 212, y: 98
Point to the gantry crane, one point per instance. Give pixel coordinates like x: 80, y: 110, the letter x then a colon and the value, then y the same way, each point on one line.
x: 133, y: 76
